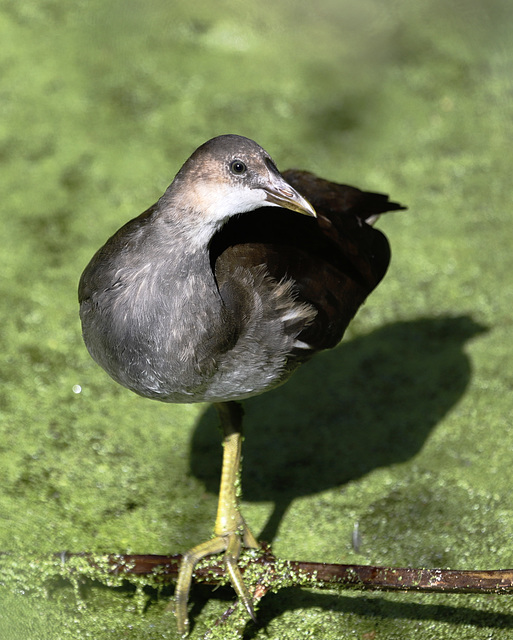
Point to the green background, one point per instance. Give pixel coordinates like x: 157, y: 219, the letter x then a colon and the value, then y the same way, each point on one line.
x: 403, y: 429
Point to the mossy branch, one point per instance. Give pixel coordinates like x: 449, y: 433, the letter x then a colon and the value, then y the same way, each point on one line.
x: 262, y: 573
x: 276, y: 573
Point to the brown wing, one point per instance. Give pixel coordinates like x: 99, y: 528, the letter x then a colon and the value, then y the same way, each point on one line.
x: 335, y: 260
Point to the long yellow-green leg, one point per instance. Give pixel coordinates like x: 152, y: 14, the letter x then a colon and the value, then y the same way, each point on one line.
x: 231, y: 531
x: 229, y: 519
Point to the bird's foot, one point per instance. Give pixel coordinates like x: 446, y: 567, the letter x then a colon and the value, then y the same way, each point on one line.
x: 231, y: 544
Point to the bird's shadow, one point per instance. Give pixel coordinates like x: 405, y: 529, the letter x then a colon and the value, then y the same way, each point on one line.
x: 371, y: 402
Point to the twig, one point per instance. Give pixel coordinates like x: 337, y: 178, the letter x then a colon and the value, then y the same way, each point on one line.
x: 315, y: 574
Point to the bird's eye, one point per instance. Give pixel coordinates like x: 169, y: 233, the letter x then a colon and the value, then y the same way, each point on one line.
x: 237, y: 167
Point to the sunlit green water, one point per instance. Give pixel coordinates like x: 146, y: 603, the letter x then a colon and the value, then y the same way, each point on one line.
x: 405, y: 428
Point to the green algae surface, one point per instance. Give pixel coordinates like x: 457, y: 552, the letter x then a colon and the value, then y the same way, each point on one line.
x: 394, y: 448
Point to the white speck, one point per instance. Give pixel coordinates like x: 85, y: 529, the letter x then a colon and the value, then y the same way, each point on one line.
x: 299, y: 344
x: 76, y: 388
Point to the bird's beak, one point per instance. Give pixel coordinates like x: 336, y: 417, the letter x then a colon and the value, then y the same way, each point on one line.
x: 280, y: 193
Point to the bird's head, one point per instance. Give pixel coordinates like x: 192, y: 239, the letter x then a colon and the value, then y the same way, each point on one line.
x: 226, y: 176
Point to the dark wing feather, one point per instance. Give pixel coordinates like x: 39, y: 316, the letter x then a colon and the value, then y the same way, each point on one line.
x: 335, y: 260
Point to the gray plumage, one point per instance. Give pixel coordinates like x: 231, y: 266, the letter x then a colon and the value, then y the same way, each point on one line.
x: 154, y: 314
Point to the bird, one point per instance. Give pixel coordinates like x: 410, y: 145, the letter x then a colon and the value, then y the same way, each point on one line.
x: 218, y: 292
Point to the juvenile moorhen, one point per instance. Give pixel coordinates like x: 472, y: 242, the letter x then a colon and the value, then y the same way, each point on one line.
x: 219, y: 291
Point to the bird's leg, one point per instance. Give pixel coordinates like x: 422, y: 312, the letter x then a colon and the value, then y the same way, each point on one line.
x: 229, y: 519
x: 231, y: 531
